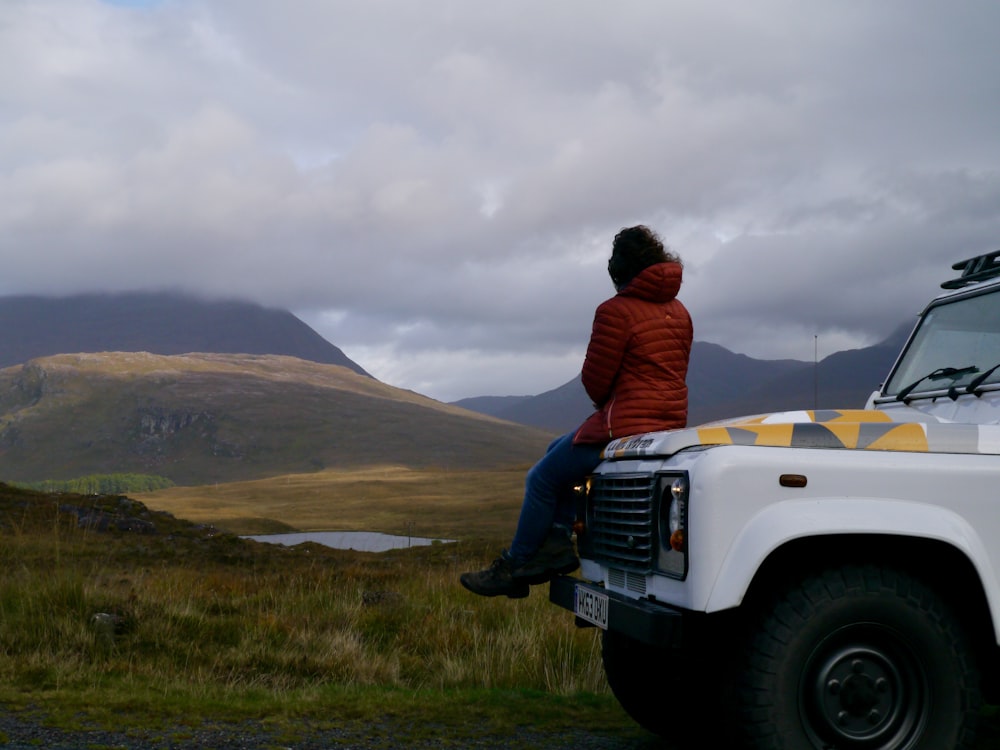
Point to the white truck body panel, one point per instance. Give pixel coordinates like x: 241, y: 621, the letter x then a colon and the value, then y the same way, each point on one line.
x: 739, y: 514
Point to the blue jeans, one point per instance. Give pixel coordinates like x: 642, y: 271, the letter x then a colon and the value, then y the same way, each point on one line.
x: 548, y: 494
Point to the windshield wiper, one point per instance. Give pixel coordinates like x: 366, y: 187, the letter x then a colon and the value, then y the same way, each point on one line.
x: 981, y: 378
x: 942, y: 372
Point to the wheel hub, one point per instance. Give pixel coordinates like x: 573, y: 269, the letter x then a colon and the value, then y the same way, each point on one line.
x: 859, y: 694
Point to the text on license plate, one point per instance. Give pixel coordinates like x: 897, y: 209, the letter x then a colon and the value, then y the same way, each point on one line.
x: 591, y: 606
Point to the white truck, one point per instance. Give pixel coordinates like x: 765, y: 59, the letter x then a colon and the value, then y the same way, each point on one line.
x: 816, y: 578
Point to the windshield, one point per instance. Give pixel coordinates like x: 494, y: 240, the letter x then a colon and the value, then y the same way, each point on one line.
x: 961, y: 335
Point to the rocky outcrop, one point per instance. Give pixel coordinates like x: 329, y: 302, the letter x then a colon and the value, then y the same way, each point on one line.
x: 159, y: 424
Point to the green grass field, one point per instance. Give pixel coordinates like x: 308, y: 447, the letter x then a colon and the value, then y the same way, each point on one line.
x: 202, y: 625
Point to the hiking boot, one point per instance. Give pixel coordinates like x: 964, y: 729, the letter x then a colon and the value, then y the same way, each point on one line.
x: 496, y: 580
x: 555, y: 557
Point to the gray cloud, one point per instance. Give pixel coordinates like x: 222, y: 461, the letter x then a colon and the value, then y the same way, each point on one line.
x: 435, y: 186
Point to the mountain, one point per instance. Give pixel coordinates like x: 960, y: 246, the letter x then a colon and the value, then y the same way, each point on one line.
x: 256, y: 405
x: 160, y: 323
x: 724, y: 384
x: 558, y: 410
x: 207, y: 418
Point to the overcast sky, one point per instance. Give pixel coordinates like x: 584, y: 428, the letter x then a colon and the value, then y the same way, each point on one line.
x: 434, y: 185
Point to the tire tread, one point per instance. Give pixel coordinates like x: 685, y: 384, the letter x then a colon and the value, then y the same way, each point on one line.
x: 791, y: 609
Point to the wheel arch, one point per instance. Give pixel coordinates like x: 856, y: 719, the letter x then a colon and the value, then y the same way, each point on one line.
x: 939, y: 565
x: 853, y: 529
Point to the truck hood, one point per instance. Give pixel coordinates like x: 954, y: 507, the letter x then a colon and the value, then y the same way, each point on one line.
x: 845, y: 429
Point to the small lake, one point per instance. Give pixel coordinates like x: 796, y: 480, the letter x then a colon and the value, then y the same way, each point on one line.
x: 361, y: 541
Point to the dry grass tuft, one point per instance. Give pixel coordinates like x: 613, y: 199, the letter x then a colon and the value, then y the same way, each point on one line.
x: 93, y: 601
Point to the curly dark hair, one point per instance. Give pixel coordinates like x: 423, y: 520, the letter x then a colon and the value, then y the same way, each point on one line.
x: 635, y: 249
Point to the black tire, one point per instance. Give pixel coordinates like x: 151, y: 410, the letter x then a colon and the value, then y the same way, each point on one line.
x: 632, y: 669
x: 674, y: 693
x: 858, y: 658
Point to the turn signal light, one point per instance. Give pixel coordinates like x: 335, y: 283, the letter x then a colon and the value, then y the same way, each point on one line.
x: 792, y: 480
x: 677, y: 540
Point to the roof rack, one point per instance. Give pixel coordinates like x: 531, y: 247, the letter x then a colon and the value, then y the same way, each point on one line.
x: 980, y: 268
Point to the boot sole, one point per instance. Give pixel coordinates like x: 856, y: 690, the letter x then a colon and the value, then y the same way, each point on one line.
x: 535, y: 577
x: 520, y: 592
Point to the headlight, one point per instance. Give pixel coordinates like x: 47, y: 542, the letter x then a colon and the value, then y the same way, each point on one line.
x: 678, y: 513
x: 580, y: 493
x: 672, y: 557
x: 584, y: 517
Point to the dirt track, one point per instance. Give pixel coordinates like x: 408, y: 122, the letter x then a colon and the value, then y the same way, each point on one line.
x: 18, y: 732
x: 23, y: 732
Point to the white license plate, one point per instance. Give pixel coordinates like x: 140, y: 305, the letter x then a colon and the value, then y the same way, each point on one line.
x: 591, y: 606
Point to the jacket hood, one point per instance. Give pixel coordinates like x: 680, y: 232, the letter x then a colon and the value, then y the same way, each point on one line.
x: 657, y: 283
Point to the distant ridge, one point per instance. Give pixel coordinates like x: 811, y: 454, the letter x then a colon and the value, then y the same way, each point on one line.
x: 723, y: 384
x: 159, y: 323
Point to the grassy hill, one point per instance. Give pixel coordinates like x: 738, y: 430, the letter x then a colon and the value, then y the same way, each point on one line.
x: 206, y: 418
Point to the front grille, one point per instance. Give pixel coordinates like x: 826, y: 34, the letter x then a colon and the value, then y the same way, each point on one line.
x: 622, y: 522
x: 626, y: 579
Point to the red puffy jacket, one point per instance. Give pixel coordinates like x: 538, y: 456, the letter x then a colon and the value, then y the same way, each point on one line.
x: 636, y: 366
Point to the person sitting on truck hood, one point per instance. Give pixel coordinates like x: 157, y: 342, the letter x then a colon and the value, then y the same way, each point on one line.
x: 635, y: 372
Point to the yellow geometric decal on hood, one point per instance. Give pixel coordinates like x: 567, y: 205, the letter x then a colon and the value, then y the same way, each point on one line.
x: 848, y: 432
x: 902, y: 437
x: 852, y: 429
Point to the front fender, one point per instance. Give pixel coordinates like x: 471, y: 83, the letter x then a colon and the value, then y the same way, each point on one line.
x: 780, y: 523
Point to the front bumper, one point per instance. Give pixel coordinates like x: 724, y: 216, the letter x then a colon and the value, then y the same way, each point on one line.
x: 644, y: 620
